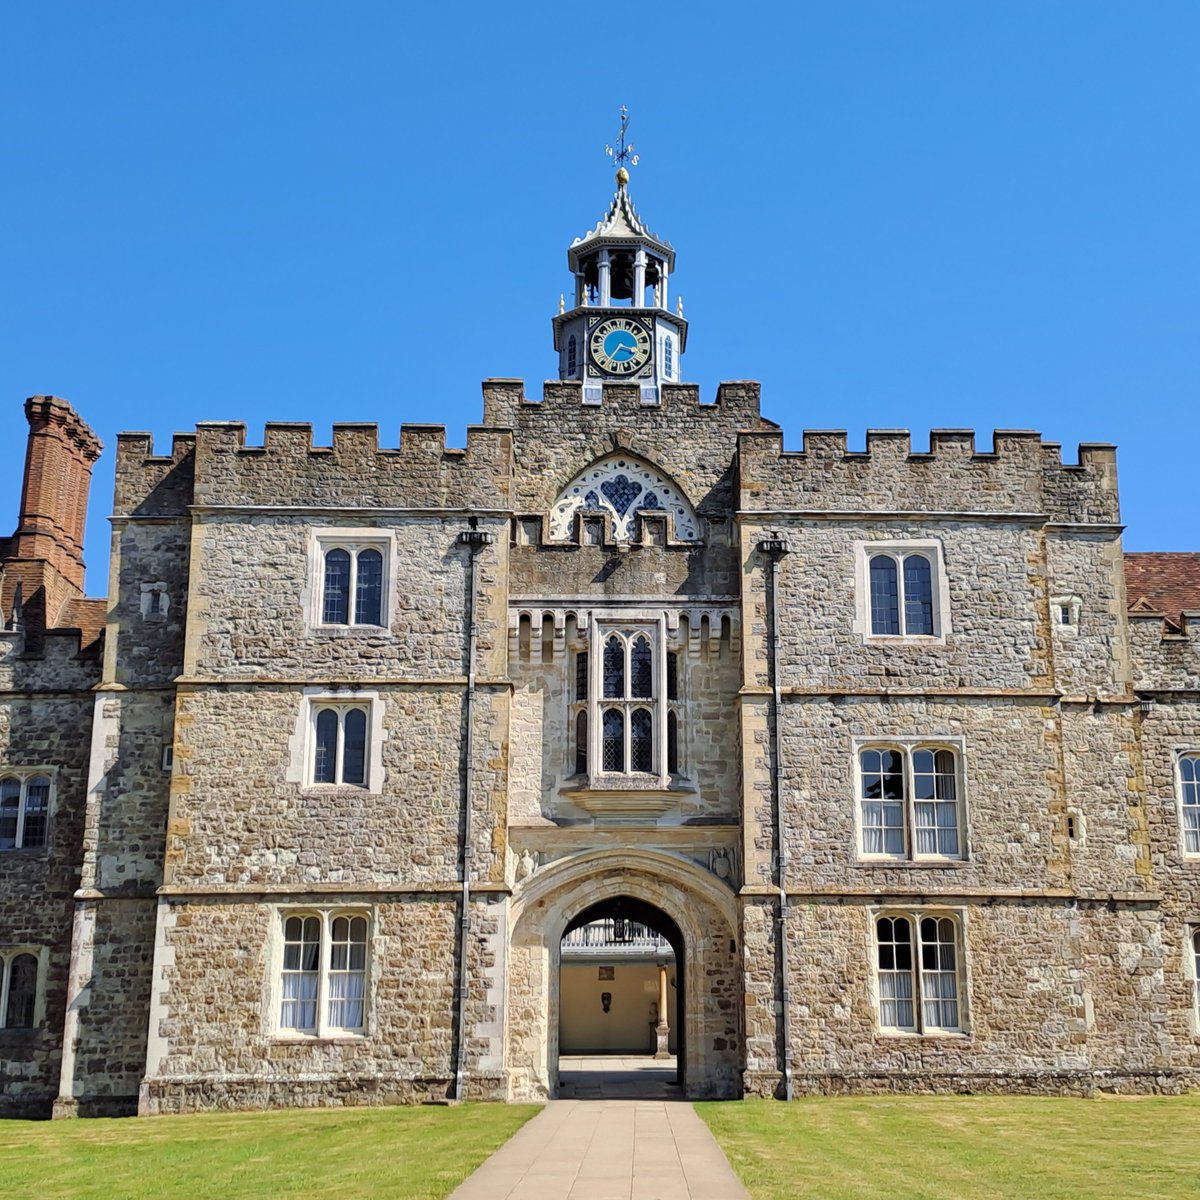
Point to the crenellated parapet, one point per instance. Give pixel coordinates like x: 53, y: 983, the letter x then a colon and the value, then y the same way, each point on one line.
x: 557, y: 436
x: 61, y: 662
x: 1166, y: 655
x: 1020, y: 474
x: 215, y: 466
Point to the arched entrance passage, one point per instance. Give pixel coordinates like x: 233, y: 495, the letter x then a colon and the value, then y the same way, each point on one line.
x: 702, y: 909
x: 622, y: 991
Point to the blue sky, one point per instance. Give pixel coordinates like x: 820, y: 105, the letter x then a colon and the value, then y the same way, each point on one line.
x: 913, y: 214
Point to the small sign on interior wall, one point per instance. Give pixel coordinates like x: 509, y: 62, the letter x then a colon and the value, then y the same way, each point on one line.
x: 607, y: 973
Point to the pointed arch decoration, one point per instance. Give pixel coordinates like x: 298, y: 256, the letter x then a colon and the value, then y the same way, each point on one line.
x: 622, y: 485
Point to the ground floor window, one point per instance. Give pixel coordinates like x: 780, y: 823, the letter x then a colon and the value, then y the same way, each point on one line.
x: 918, y: 974
x: 323, y: 976
x: 20, y: 968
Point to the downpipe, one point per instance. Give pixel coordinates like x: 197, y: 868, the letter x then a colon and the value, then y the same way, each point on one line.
x: 775, y: 546
x: 474, y: 539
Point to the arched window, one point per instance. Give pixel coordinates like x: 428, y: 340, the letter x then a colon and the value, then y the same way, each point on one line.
x: 641, y: 668
x: 909, y: 804
x: 917, y: 973
x: 622, y: 486
x: 323, y: 977
x: 24, y: 811
x: 353, y: 586
x: 301, y: 971
x: 572, y: 356
x: 614, y: 667
x: 340, y: 745
x: 347, y: 972
x: 1189, y: 780
x: 641, y: 740
x: 18, y: 990
x: 614, y: 739
x: 901, y: 597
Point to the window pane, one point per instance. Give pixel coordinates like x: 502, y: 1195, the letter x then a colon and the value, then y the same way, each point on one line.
x: 354, y: 744
x: 22, y: 992
x: 1189, y: 773
x: 641, y: 669
x: 301, y: 958
x: 641, y: 741
x: 893, y: 774
x: 918, y: 595
x: 37, y: 804
x: 337, y: 588
x: 895, y: 973
x: 325, y: 756
x: 939, y: 973
x: 672, y: 676
x: 581, y: 747
x: 10, y: 803
x: 672, y: 743
x: 614, y: 740
x: 347, y: 975
x: 614, y: 667
x: 581, y: 677
x: 885, y: 600
x: 368, y: 599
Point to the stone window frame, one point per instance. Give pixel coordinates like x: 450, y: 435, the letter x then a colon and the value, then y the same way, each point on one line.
x: 154, y: 600
x: 1073, y: 607
x: 302, y: 745
x: 324, y: 1031
x: 921, y: 1028
x: 907, y: 746
x: 1185, y: 789
x: 26, y: 775
x: 354, y: 540
x: 899, y: 549
x: 627, y: 625
x: 8, y: 955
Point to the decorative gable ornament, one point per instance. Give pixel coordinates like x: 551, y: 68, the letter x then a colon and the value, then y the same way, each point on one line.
x: 622, y: 486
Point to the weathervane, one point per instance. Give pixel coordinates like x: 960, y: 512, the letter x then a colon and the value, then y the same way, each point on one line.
x: 624, y: 152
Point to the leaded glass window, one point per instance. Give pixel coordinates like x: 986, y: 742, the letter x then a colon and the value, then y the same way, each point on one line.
x: 353, y: 585
x: 901, y: 593
x: 340, y: 745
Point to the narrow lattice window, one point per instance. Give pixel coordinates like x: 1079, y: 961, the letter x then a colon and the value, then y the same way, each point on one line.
x: 918, y: 595
x: 337, y: 588
x: 1189, y: 779
x: 672, y: 743
x: 896, y: 1010
x: 347, y: 972
x: 641, y: 668
x: 641, y: 740
x: 668, y: 358
x: 572, y: 356
x: 935, y: 802
x: 340, y: 746
x: 939, y: 973
x: 581, y: 742
x: 581, y: 677
x: 353, y: 586
x: 882, y: 802
x: 885, y: 595
x: 672, y: 676
x: 614, y: 740
x: 614, y: 668
x: 301, y: 971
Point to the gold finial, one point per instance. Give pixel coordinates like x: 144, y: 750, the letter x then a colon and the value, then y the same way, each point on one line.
x: 562, y: 303
x: 623, y: 153
x: 679, y: 306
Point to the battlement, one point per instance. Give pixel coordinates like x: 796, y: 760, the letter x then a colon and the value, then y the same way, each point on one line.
x: 1020, y: 474
x: 60, y: 663
x: 355, y: 471
x: 149, y: 484
x: 506, y: 404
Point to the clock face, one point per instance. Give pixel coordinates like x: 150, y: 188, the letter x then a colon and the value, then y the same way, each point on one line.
x: 620, y: 346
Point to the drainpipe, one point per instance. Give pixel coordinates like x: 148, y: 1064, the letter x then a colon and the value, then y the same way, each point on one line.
x: 775, y: 546
x: 474, y: 539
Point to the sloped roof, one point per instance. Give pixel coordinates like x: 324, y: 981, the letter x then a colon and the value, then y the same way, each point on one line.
x: 621, y: 222
x: 86, y: 615
x: 1167, y: 583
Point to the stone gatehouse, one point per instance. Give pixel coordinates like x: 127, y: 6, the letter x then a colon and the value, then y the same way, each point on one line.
x: 897, y: 751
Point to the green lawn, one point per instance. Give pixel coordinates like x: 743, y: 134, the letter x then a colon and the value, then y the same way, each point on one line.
x: 377, y: 1153
x: 962, y: 1147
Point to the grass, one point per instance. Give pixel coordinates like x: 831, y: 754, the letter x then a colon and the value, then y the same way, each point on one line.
x: 962, y: 1147
x: 383, y: 1153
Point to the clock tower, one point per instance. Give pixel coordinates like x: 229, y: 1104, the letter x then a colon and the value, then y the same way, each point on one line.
x: 620, y: 327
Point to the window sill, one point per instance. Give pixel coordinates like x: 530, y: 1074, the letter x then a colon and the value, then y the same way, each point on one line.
x: 920, y: 864
x: 615, y: 795
x: 350, y: 631
x: 904, y: 639
x: 911, y: 1035
x: 296, y: 1038
x: 27, y: 851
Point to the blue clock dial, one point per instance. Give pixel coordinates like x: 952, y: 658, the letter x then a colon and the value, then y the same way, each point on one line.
x: 620, y: 346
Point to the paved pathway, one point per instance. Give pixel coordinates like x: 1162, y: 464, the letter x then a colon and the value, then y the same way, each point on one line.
x: 608, y: 1150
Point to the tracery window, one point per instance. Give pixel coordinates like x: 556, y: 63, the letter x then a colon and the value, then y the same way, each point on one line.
x: 24, y: 811
x: 901, y: 595
x: 917, y: 973
x: 622, y: 486
x: 323, y: 975
x: 1189, y: 788
x: 20, y: 968
x: 909, y: 802
x: 353, y: 585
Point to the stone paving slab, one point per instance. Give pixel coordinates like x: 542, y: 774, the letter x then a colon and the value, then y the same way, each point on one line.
x: 607, y: 1150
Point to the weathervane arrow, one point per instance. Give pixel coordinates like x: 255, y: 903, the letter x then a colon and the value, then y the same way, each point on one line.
x: 622, y: 153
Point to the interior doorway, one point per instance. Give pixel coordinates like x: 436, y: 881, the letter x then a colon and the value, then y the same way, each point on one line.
x: 621, y: 1027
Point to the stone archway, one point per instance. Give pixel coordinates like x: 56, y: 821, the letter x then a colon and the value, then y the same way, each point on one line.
x: 701, y: 907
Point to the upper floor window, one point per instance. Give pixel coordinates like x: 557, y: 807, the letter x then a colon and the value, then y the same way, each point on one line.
x: 339, y: 744
x: 1189, y: 787
x: 623, y: 711
x: 572, y: 356
x: 909, y: 802
x: 353, y: 585
x: 918, y: 973
x: 668, y: 357
x: 24, y: 811
x: 19, y: 977
x: 901, y: 589
x: 323, y: 977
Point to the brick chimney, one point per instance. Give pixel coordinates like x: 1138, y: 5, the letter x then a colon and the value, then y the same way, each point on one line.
x: 44, y: 558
